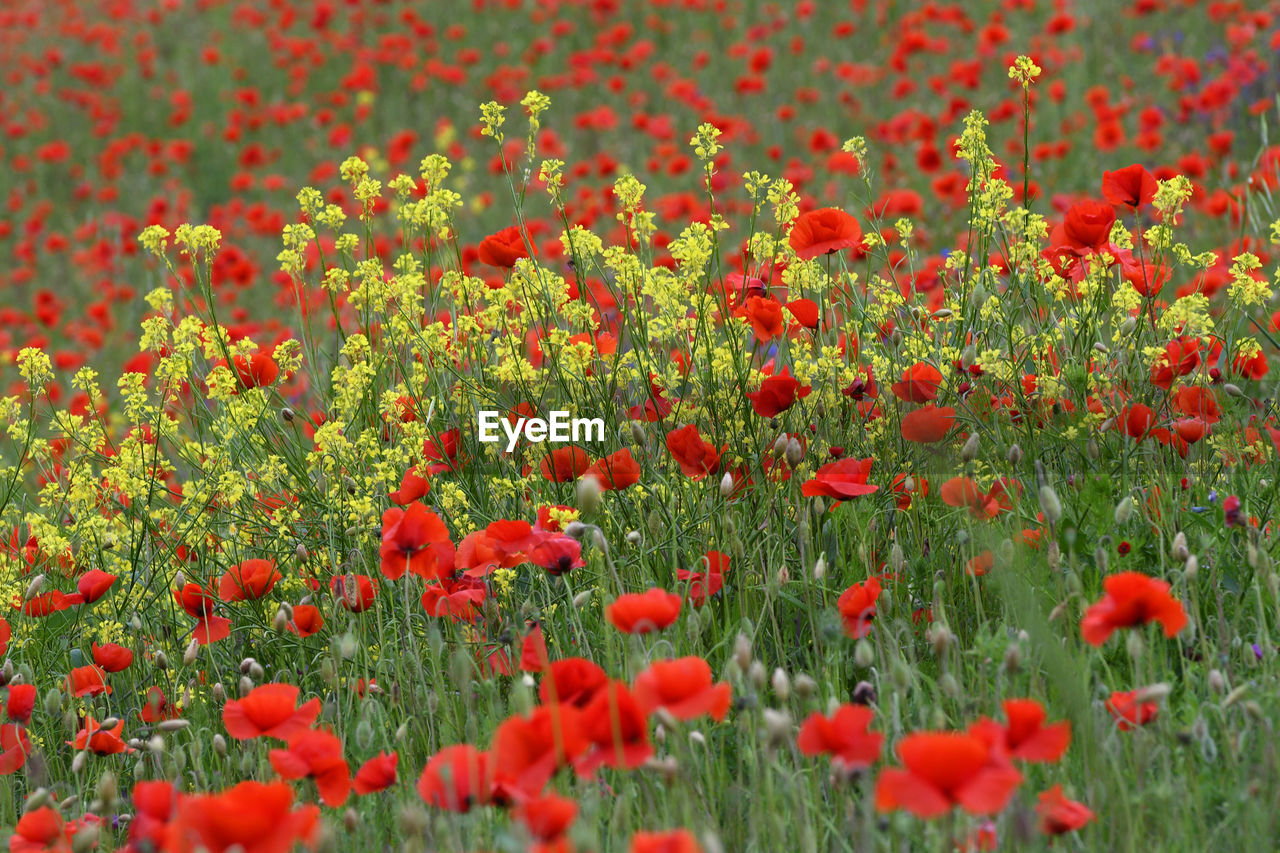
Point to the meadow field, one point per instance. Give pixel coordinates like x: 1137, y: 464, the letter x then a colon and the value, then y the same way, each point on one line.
x: 929, y: 500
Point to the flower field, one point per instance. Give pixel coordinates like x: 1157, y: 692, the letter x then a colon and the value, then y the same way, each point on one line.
x: 925, y: 359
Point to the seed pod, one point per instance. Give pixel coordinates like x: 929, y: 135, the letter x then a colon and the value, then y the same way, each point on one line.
x: 864, y: 693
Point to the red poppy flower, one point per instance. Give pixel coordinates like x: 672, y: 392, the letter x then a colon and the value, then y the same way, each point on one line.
x: 15, y: 746
x: 1058, y: 815
x: 253, y: 816
x: 695, y: 456
x: 156, y: 707
x: 857, y: 607
x: 100, y: 741
x: 547, y: 817
x: 920, y: 383
x: 764, y: 313
x: 5, y: 633
x: 20, y: 701
x: 1132, y: 187
x: 1086, y: 227
x: 40, y: 830
x: 642, y: 612
x: 929, y: 424
x: 306, y: 620
x: 823, y: 231
x: 412, y: 540
x: 707, y: 582
x: 571, y: 681
x: 533, y: 651
x: 1132, y: 599
x: 943, y: 770
x: 616, y: 471
x: 564, y: 464
x: 964, y: 492
x: 503, y: 249
x: 671, y: 841
x: 412, y: 487
x: 777, y: 394
x: 455, y: 778
x: 1026, y: 737
x: 1130, y: 711
x: 248, y: 581
x: 356, y: 593
x: 527, y: 750
x: 805, y: 312
x: 199, y: 603
x: 50, y: 602
x: 684, y: 688
x: 843, y: 479
x: 845, y: 736
x: 92, y: 585
x: 269, y: 711
x: 316, y: 754
x: 87, y: 681
x: 256, y: 371
x: 112, y: 657
x: 376, y: 774
x: 557, y: 554
x: 155, y: 804
x: 616, y: 729
x: 458, y: 599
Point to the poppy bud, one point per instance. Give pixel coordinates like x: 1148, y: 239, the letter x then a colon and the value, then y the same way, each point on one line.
x: 863, y: 654
x: 969, y: 452
x: 78, y: 763
x: 179, y: 579
x: 33, y: 588
x: 219, y: 693
x: 302, y: 553
x: 781, y: 685
x: 637, y: 433
x: 742, y: 651
x: 794, y: 454
x: 864, y: 693
x: 1014, y: 455
x: 351, y: 820
x: 598, y: 540
x: 1192, y: 568
x: 697, y: 738
x: 39, y: 798
x: 364, y: 734
x: 940, y: 637
x: 1234, y: 696
x: 575, y: 529
x: 726, y: 485
x: 245, y: 686
x: 220, y: 746
x: 780, y: 445
x: 633, y: 538
x: 1100, y: 347
x: 1232, y: 390
x: 1180, y: 551
x: 1128, y: 326
x: 805, y: 686
x: 949, y: 686
x: 756, y: 675
x: 1053, y: 555
x: 1124, y: 511
x: 286, y: 415
x: 1133, y: 645
x: 135, y: 622
x: 820, y: 568
x: 192, y: 652
x: 581, y: 599
x: 280, y: 622
x: 1100, y: 559
x: 402, y: 732
x: 1013, y: 658
x: 1050, y: 505
x: 655, y: 523
x: 777, y: 726
x: 1217, y: 681
x: 164, y: 725
x: 897, y: 560
x: 588, y: 494
x: 52, y: 701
